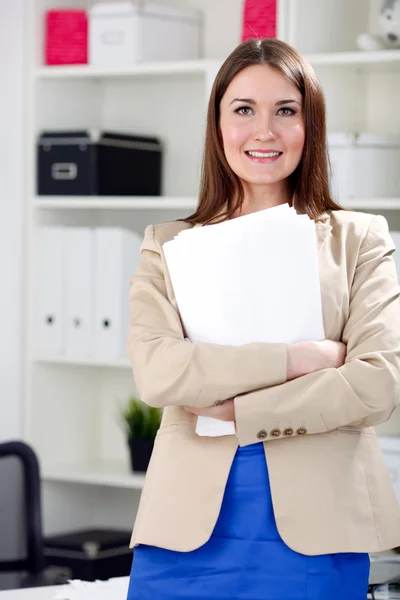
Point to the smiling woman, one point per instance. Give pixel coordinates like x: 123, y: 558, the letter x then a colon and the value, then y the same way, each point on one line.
x: 287, y: 507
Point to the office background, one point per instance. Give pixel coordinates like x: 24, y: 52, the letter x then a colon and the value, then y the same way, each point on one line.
x: 362, y: 95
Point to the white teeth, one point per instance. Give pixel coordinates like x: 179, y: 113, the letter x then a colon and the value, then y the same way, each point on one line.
x: 264, y: 154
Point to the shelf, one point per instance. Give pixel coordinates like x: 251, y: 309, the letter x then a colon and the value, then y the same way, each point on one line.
x: 168, y: 68
x: 107, y: 473
x: 174, y: 203
x: 372, y: 203
x: 121, y: 363
x: 355, y: 58
x: 202, y: 66
x: 115, y: 202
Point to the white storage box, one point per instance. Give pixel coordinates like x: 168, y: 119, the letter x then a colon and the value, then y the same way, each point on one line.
x: 366, y: 165
x: 341, y: 153
x: 125, y: 33
x: 377, y: 165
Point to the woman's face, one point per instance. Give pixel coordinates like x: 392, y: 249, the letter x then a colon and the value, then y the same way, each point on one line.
x: 262, y: 126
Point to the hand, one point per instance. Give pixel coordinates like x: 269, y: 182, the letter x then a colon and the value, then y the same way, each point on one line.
x: 308, y: 357
x: 223, y: 412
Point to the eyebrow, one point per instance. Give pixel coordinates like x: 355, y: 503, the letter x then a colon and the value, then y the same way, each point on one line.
x: 253, y: 102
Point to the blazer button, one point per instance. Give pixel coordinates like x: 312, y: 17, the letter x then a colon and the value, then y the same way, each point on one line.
x: 262, y: 434
x: 288, y: 431
x: 276, y: 432
x: 301, y: 431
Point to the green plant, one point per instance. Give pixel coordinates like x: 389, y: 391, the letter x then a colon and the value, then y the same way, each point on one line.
x: 141, y: 422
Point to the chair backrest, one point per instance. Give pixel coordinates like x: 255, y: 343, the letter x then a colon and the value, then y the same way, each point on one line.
x: 34, y: 562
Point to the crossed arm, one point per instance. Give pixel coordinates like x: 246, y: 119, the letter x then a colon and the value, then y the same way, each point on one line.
x: 363, y: 392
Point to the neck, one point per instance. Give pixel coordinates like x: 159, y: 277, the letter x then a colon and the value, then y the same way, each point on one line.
x: 261, y: 197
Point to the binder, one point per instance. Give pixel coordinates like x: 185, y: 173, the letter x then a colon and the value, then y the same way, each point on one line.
x: 50, y: 290
x: 79, y: 293
x: 117, y: 257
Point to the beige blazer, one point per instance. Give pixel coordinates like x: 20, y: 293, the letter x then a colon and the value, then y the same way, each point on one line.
x: 331, y: 490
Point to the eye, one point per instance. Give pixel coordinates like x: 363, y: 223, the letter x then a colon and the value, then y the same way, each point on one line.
x: 243, y: 110
x: 289, y: 111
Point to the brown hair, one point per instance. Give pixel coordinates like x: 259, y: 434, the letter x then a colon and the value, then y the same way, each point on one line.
x: 309, y: 184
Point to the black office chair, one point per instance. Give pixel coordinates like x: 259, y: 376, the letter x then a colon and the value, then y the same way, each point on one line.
x: 24, y: 494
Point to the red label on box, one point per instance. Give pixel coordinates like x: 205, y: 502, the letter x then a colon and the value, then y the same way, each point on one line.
x: 66, y: 37
x: 259, y: 19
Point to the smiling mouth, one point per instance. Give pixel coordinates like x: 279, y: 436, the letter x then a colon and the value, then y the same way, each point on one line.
x: 262, y: 154
x: 263, y: 157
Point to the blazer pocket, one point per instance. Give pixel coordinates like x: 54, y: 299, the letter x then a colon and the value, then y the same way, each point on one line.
x: 167, y: 428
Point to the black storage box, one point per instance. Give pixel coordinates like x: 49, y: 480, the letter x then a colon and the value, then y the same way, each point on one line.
x: 91, y: 554
x: 80, y: 163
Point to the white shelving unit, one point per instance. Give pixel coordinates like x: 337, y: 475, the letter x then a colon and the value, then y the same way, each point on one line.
x: 71, y: 405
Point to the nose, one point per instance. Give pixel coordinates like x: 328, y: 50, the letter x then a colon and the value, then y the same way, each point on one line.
x: 264, y: 129
x: 392, y: 37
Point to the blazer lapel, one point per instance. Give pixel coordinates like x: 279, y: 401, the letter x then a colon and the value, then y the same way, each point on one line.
x: 323, y: 229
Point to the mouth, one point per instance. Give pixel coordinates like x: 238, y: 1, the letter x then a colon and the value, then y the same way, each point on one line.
x: 263, y: 157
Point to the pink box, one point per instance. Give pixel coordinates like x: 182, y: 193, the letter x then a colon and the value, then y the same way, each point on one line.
x: 66, y: 40
x: 259, y: 19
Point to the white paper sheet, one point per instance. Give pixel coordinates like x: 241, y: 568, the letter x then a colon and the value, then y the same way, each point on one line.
x: 251, y: 279
x: 113, y: 589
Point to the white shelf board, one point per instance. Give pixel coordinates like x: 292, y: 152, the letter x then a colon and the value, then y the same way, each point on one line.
x: 122, y: 363
x: 173, y: 203
x: 372, y: 203
x: 169, y: 68
x: 115, y: 202
x: 105, y: 473
x: 201, y: 66
x: 358, y: 57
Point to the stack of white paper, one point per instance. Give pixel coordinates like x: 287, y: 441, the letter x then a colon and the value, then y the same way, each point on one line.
x: 250, y: 279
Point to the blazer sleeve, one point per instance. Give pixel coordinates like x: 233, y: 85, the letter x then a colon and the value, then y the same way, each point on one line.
x: 170, y: 370
x: 365, y: 390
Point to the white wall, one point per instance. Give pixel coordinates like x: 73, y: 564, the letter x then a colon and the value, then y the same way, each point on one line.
x: 11, y: 214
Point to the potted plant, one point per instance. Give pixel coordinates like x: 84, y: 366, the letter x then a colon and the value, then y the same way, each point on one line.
x: 141, y: 423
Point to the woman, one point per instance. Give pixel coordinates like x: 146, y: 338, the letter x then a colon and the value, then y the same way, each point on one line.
x: 289, y: 507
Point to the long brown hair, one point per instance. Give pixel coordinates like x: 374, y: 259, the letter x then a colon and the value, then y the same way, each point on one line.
x: 221, y: 191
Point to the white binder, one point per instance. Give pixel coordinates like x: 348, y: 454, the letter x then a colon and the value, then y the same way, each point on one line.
x: 50, y: 290
x: 117, y: 256
x: 79, y: 269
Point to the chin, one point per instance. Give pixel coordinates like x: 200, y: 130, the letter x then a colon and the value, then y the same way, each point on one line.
x: 263, y: 180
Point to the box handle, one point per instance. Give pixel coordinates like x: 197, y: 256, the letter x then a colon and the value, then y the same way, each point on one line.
x: 64, y: 170
x: 113, y: 38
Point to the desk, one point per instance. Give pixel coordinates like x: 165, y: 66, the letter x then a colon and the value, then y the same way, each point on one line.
x: 40, y: 593
x: 119, y: 589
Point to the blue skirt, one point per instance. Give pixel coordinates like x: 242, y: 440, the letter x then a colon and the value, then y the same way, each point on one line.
x: 245, y: 558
